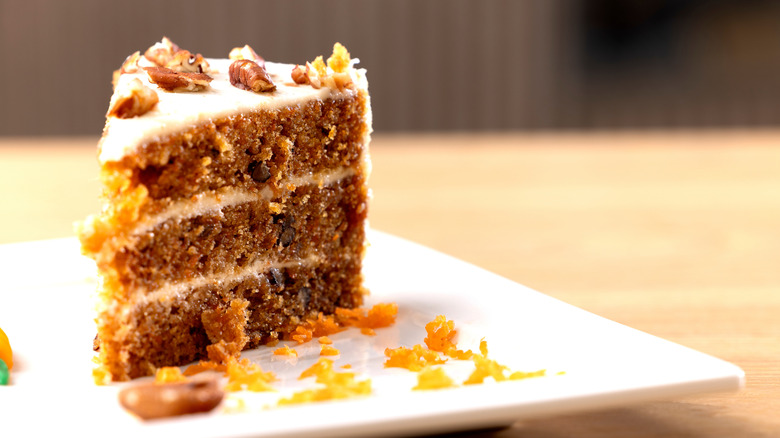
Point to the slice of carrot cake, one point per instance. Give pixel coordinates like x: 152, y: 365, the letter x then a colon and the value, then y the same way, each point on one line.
x: 235, y: 203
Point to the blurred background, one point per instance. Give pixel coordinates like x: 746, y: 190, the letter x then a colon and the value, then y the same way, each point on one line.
x: 434, y: 65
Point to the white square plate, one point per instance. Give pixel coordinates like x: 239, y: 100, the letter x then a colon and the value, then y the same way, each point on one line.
x: 45, y: 308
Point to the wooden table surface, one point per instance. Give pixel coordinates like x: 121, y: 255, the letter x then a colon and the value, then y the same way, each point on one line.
x: 675, y: 234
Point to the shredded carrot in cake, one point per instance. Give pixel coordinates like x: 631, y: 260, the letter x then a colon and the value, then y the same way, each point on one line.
x: 285, y: 351
x: 368, y: 331
x: 334, y: 385
x: 433, y: 378
x: 324, y: 340
x: 169, y: 375
x: 413, y: 359
x: 328, y: 350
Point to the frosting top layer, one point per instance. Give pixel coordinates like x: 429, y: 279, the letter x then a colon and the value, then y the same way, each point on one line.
x: 178, y: 110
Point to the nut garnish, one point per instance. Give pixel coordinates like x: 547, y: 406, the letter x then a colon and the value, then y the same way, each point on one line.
x: 131, y: 63
x: 129, y: 66
x: 133, y: 99
x: 184, y: 61
x: 159, y: 400
x: 161, y: 53
x: 246, y: 52
x: 306, y: 76
x: 338, y: 73
x: 248, y: 75
x: 171, y: 80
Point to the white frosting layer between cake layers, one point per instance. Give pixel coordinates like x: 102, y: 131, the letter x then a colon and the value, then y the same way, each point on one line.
x: 170, y: 291
x: 178, y: 110
x: 209, y: 202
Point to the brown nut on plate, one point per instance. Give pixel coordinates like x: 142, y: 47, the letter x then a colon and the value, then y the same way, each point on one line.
x: 133, y: 99
x: 172, y: 80
x: 248, y: 75
x: 160, y: 400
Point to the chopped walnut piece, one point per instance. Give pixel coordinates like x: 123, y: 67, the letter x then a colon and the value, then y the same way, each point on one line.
x: 246, y: 52
x: 248, y: 75
x: 132, y: 100
x: 337, y: 74
x: 171, y: 80
x: 184, y: 61
x: 129, y: 66
x: 131, y: 63
x: 306, y: 75
x: 161, y: 53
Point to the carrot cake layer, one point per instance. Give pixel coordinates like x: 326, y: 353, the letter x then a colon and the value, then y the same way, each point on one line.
x: 235, y: 203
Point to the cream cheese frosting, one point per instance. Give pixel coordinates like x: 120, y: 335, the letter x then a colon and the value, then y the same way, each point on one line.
x: 216, y: 201
x: 178, y: 110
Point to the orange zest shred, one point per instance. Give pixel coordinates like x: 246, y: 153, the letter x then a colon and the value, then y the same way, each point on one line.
x: 328, y: 350
x: 379, y: 316
x: 520, y: 375
x: 483, y: 350
x: 413, y: 359
x: 204, y: 365
x: 334, y: 385
x: 302, y: 334
x: 485, y: 368
x: 100, y: 373
x: 441, y: 333
x: 433, y: 378
x: 246, y: 375
x: 285, y: 351
x: 169, y: 375
x: 323, y: 325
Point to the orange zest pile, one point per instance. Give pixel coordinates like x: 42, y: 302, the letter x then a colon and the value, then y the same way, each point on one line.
x: 441, y: 332
x: 441, y: 345
x: 328, y: 350
x: 245, y: 375
x: 285, y: 351
x: 433, y: 378
x: 413, y: 359
x: 380, y: 315
x: 334, y: 385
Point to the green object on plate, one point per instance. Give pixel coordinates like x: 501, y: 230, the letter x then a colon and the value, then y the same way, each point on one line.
x: 3, y: 373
